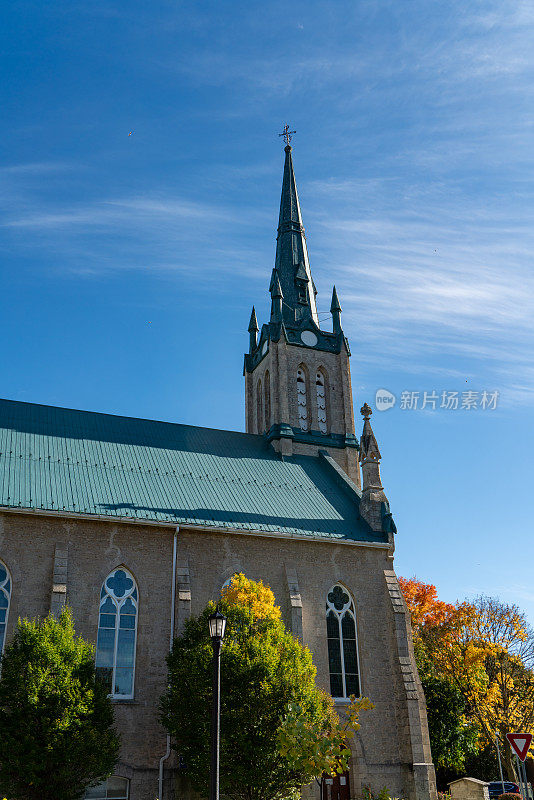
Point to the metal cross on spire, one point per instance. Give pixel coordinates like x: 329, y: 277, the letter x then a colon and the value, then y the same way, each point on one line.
x: 287, y: 134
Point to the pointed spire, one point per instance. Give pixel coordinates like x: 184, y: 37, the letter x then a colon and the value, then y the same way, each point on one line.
x: 253, y: 331
x: 374, y: 506
x: 368, y: 445
x: 253, y: 324
x: 292, y: 264
x: 335, y: 304
x: 276, y: 291
x: 335, y: 310
x: 369, y: 458
x: 276, y: 298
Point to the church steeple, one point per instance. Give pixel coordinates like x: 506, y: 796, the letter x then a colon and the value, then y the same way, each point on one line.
x: 297, y: 376
x: 291, y: 262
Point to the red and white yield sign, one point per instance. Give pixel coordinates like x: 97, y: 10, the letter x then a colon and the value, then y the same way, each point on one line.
x: 520, y: 742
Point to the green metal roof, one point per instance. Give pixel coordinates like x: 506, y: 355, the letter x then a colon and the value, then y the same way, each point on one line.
x: 83, y: 462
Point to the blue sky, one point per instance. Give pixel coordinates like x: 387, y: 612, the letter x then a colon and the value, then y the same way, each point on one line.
x: 130, y: 263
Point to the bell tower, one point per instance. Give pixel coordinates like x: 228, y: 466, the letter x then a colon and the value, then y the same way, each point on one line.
x: 298, y: 391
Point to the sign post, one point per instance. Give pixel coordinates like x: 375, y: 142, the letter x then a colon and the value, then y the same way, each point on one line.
x: 499, y: 760
x: 520, y: 744
x: 525, y: 780
x: 520, y: 777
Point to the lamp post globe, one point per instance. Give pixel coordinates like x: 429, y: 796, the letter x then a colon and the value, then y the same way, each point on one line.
x: 217, y: 625
x: 217, y: 628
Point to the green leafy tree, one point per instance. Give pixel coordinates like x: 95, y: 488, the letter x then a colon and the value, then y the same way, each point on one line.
x: 278, y: 730
x: 454, y: 739
x: 56, y: 720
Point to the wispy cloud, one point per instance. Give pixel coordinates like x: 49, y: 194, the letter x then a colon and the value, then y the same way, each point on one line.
x: 126, y: 211
x: 35, y: 168
x: 428, y: 279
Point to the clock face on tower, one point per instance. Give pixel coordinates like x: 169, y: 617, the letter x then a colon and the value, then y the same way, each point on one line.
x: 308, y: 338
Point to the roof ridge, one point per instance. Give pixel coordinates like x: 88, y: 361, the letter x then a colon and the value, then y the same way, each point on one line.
x: 123, y: 416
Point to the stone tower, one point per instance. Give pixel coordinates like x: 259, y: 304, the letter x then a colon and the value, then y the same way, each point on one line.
x: 297, y: 377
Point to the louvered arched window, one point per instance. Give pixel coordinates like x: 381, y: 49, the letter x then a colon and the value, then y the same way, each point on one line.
x: 267, y: 404
x: 117, y: 633
x: 259, y: 406
x: 5, y: 597
x: 342, y: 643
x: 302, y: 399
x: 322, y: 413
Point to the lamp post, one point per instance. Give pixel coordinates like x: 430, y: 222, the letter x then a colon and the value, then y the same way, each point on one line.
x: 217, y: 626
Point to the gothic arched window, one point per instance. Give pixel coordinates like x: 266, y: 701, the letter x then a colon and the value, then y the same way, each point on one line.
x: 5, y: 596
x: 267, y: 404
x: 320, y: 387
x: 342, y: 643
x: 227, y: 582
x: 302, y: 400
x: 117, y: 633
x: 259, y: 406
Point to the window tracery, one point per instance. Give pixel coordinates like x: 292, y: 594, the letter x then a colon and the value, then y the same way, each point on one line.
x: 320, y: 386
x: 302, y: 400
x: 342, y: 643
x: 267, y: 404
x: 5, y: 597
x: 259, y: 406
x: 117, y: 633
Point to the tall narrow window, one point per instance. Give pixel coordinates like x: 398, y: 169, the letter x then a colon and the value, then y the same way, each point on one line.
x: 302, y: 400
x: 267, y: 404
x: 115, y: 787
x: 259, y: 406
x: 117, y: 633
x: 342, y: 643
x: 5, y: 596
x: 321, y: 402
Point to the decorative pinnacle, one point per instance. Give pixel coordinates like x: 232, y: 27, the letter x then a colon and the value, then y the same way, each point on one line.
x: 287, y: 134
x: 253, y: 324
x: 335, y: 304
x: 276, y: 291
x: 366, y: 411
x: 274, y: 275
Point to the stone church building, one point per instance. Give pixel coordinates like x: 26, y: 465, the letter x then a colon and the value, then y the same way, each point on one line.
x: 136, y: 524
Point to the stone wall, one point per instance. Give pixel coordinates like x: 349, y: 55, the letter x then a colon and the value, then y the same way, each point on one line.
x: 392, y: 745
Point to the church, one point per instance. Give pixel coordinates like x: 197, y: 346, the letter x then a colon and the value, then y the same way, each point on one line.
x: 137, y: 524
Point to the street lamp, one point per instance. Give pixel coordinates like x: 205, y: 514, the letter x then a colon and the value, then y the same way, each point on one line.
x: 217, y: 626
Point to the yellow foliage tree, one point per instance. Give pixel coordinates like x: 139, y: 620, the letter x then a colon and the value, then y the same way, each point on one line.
x: 254, y: 596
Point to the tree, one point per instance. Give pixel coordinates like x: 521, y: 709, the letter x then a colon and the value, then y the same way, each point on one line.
x: 55, y: 716
x: 507, y: 705
x: 278, y: 730
x: 436, y: 626
x: 453, y: 737
x: 484, y: 651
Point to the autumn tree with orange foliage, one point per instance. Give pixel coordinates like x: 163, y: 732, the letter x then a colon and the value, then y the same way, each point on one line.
x: 483, y: 650
x: 453, y: 737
